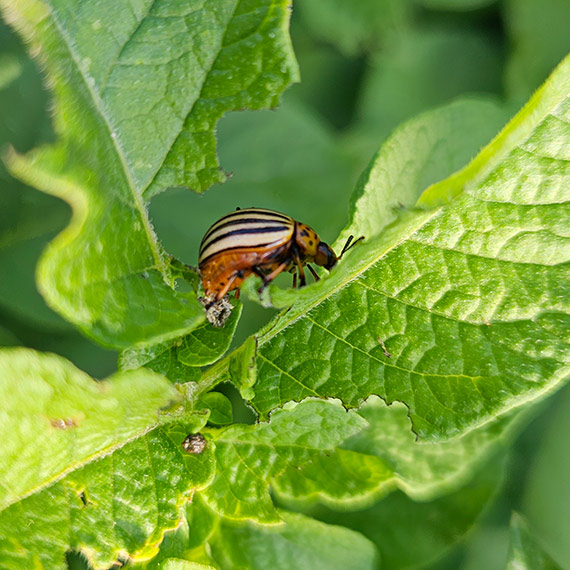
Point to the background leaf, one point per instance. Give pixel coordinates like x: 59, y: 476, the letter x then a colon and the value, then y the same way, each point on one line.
x: 385, y: 456
x: 76, y: 450
x: 49, y: 404
x: 28, y: 219
x: 249, y: 457
x: 397, y: 522
x: 546, y: 497
x: 525, y: 553
x: 360, y: 26
x: 539, y: 42
x: 420, y: 68
x: 301, y: 542
x: 455, y: 4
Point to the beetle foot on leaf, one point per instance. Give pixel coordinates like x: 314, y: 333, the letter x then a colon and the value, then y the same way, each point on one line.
x: 217, y: 311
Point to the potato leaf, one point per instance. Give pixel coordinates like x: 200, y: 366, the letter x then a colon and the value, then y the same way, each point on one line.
x: 183, y: 66
x: 89, y: 465
x: 460, y: 311
x: 248, y: 458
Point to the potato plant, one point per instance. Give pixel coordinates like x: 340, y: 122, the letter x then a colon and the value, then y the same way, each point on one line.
x: 368, y: 420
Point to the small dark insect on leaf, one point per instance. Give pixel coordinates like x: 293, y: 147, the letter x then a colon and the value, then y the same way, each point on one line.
x: 83, y: 498
x: 194, y: 443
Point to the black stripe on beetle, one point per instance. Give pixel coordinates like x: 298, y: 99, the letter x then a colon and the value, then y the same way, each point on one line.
x: 238, y: 221
x: 243, y: 231
x: 243, y: 215
x: 252, y: 212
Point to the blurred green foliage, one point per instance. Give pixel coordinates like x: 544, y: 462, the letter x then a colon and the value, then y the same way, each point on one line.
x: 366, y: 66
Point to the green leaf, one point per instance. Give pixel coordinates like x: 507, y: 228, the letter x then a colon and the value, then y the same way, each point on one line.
x: 182, y: 67
x: 410, y: 534
x: 249, y: 457
x: 354, y: 27
x: 299, y: 543
x: 538, y: 39
x: 179, y: 564
x: 219, y: 405
x: 524, y: 552
x: 160, y: 358
x: 120, y: 504
x: 182, y: 543
x: 241, y: 368
x: 86, y: 465
x: 202, y: 520
x: 106, y: 272
x: 59, y: 408
x: 385, y: 456
x: 422, y: 151
x: 207, y: 343
x: 180, y: 359
x: 424, y: 67
x: 546, y: 499
x: 460, y: 312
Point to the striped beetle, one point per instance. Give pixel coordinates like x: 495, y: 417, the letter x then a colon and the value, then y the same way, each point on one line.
x: 260, y: 242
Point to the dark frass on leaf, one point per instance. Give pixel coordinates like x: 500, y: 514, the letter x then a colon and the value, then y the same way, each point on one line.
x: 217, y: 312
x: 257, y: 241
x: 195, y: 444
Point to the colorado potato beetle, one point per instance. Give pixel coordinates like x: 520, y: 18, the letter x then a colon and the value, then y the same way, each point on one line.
x: 260, y: 242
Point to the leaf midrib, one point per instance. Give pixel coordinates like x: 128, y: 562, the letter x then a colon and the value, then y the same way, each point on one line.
x: 273, y: 331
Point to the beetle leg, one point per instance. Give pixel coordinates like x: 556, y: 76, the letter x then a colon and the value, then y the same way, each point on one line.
x: 302, y: 280
x: 237, y: 293
x: 317, y: 278
x: 221, y: 294
x: 271, y: 276
x: 295, y: 280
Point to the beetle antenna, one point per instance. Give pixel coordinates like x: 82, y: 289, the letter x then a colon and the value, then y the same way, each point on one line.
x: 346, y: 246
x: 349, y: 244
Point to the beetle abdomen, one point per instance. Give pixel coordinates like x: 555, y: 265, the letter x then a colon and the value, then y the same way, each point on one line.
x: 253, y: 229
